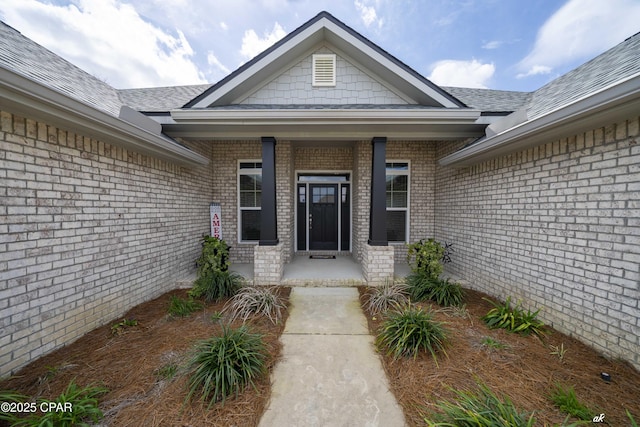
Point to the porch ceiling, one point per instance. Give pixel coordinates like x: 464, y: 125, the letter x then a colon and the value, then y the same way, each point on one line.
x: 333, y: 123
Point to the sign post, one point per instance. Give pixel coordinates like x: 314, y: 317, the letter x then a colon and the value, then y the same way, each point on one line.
x: 216, y: 222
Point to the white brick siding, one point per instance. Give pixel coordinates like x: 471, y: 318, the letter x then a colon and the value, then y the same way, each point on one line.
x: 88, y: 230
x: 557, y: 226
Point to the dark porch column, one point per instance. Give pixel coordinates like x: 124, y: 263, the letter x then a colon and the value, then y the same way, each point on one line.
x: 268, y: 221
x: 378, y: 215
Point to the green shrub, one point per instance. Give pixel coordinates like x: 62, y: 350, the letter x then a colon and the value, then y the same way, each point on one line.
x: 409, y: 330
x: 214, y: 256
x: 226, y: 364
x: 443, y: 292
x: 256, y: 300
x: 492, y: 343
x: 77, y: 407
x: 183, y: 307
x: 481, y: 409
x: 426, y: 257
x: 513, y: 319
x: 565, y: 399
x: 390, y: 295
x: 216, y: 285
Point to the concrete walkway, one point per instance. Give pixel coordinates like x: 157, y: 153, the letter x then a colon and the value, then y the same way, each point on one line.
x: 329, y: 374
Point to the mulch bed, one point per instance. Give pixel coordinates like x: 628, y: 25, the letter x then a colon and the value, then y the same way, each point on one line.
x: 525, y: 370
x: 128, y: 363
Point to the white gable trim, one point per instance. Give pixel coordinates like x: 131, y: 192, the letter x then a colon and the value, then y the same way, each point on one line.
x: 325, y: 30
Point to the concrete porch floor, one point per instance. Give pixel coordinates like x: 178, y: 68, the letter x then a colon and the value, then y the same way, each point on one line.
x: 303, y: 271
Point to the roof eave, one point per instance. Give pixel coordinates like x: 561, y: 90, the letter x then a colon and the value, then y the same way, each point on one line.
x: 24, y: 96
x: 616, y: 102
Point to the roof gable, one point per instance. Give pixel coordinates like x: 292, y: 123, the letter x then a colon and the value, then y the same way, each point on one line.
x: 325, y: 30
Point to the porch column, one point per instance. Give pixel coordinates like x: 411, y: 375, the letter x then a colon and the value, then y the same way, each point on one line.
x: 268, y: 221
x: 378, y: 215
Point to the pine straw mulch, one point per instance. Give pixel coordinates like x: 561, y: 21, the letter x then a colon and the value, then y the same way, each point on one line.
x: 525, y: 370
x: 127, y: 364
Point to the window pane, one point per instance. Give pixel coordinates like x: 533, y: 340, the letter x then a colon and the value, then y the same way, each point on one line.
x: 388, y: 199
x: 250, y: 182
x: 400, y: 182
x: 250, y: 225
x: 398, y: 166
x: 249, y: 199
x: 396, y: 226
x: 399, y: 200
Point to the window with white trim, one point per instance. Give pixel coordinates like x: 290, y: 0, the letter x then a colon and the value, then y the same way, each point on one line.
x: 324, y: 69
x: 397, y: 174
x: 249, y: 196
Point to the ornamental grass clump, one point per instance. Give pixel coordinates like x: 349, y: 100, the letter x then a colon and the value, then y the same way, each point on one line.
x: 216, y: 285
x: 226, y: 364
x: 480, y: 409
x: 183, y: 307
x: 256, y: 300
x: 385, y: 297
x: 423, y: 287
x: 513, y: 319
x: 567, y: 401
x: 410, y: 330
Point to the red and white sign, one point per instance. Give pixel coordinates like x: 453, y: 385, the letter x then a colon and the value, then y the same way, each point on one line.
x: 216, y: 222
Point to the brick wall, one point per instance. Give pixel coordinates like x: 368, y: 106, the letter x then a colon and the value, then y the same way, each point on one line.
x: 557, y: 226
x: 87, y: 230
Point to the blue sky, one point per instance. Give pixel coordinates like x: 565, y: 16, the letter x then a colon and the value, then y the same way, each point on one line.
x: 496, y: 44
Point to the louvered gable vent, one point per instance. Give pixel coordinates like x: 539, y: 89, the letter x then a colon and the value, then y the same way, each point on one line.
x: 324, y: 70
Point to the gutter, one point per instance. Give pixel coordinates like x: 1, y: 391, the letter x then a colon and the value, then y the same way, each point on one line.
x: 31, y: 99
x: 612, y: 103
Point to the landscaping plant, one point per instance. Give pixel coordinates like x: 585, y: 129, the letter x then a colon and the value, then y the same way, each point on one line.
x: 183, y: 307
x: 216, y: 285
x: 390, y: 295
x: 214, y: 256
x: 513, y: 319
x: 226, y: 364
x: 422, y: 287
x: 481, y: 409
x: 426, y: 256
x: 565, y: 399
x: 120, y: 327
x: 409, y: 330
x: 256, y: 300
x: 76, y: 406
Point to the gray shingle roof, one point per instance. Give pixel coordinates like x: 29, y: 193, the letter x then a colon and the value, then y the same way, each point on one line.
x: 489, y: 100
x: 614, y: 65
x: 26, y: 57
x: 160, y: 99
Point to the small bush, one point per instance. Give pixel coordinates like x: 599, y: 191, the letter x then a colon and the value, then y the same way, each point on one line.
x: 216, y: 285
x: 256, y: 300
x: 390, y: 295
x: 83, y: 403
x: 226, y: 364
x: 214, y: 256
x: 443, y: 292
x: 493, y: 344
x: 426, y: 257
x: 409, y: 330
x: 481, y: 409
x: 181, y: 307
x: 513, y: 319
x: 565, y: 399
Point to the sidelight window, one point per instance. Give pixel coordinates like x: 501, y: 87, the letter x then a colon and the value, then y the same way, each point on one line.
x: 249, y: 196
x: 397, y: 174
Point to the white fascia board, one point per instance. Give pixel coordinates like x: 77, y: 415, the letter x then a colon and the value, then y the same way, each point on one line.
x: 462, y: 116
x: 612, y: 103
x: 32, y: 99
x: 258, y: 66
x: 390, y: 65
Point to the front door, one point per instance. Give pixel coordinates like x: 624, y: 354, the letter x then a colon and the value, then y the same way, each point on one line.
x: 323, y: 217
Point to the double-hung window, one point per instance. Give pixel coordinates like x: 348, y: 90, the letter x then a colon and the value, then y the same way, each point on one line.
x: 249, y: 194
x: 397, y: 173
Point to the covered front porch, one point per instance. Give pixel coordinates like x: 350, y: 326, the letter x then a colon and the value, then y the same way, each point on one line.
x: 308, y: 270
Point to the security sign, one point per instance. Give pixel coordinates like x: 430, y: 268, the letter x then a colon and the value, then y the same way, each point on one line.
x: 216, y: 222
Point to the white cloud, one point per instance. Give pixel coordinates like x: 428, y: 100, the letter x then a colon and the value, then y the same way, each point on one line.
x: 108, y: 39
x: 213, y: 61
x: 579, y: 30
x: 224, y: 26
x: 472, y: 74
x: 252, y: 45
x: 368, y: 14
x: 494, y: 44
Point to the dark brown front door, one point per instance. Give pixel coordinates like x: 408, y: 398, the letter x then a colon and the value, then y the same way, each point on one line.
x: 323, y: 217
